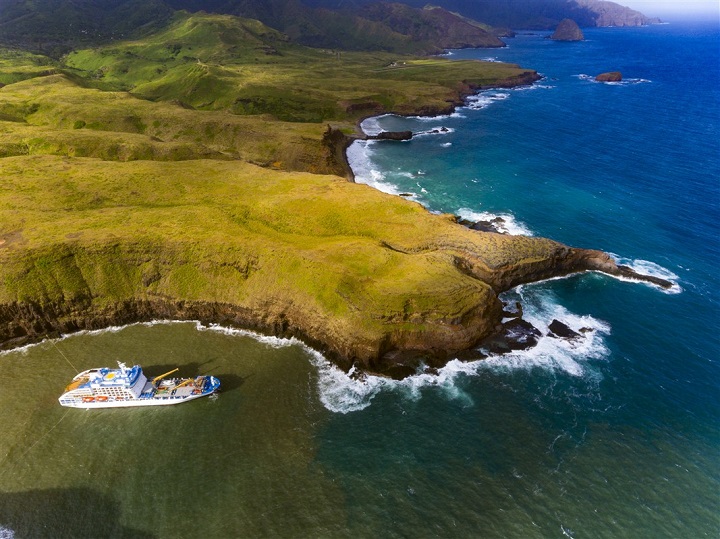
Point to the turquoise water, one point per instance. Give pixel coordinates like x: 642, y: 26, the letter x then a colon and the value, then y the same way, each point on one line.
x: 614, y: 436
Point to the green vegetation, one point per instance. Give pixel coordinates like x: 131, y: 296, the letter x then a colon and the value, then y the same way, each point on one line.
x: 164, y: 171
x: 17, y: 65
x: 345, y: 262
x: 223, y: 62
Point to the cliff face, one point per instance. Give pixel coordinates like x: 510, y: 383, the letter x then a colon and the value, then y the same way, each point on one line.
x: 432, y: 24
x: 612, y: 14
x: 366, y: 277
x: 567, y: 30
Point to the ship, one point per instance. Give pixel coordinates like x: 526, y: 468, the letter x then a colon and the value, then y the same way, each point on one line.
x: 115, y: 388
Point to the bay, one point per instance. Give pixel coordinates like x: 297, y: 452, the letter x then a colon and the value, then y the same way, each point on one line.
x: 613, y: 436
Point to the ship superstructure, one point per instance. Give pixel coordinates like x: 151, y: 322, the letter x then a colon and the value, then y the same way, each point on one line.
x: 113, y: 388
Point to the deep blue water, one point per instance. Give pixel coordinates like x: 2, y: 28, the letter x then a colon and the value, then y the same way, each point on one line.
x: 614, y: 436
x: 630, y: 421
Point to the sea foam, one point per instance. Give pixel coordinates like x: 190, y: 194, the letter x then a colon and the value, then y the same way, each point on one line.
x: 624, y: 82
x: 485, y: 99
x: 510, y: 225
x: 359, y: 156
x: 342, y: 392
x: 645, y: 267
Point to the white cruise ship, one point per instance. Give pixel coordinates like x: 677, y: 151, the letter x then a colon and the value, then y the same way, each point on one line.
x: 113, y: 388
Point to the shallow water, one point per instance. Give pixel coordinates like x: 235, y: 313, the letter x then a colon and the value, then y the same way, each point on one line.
x: 615, y: 435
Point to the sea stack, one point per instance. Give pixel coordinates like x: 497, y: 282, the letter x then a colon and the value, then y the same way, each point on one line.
x: 610, y: 76
x: 567, y: 30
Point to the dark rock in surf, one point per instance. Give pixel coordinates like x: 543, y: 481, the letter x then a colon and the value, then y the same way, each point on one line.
x: 610, y: 76
x: 517, y: 334
x: 392, y: 135
x: 562, y: 331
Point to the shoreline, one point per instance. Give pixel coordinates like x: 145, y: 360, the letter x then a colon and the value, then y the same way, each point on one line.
x: 608, y: 266
x: 339, y: 142
x: 400, y: 340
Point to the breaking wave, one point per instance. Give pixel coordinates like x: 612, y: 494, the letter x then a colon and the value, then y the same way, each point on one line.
x: 342, y: 392
x: 440, y: 130
x: 485, y: 99
x: 509, y: 225
x: 359, y: 156
x: 624, y: 82
x: 645, y: 267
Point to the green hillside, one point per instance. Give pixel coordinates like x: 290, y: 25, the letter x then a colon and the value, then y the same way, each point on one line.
x: 191, y: 174
x: 224, y: 62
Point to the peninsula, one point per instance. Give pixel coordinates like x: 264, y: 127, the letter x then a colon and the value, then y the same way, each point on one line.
x: 192, y: 174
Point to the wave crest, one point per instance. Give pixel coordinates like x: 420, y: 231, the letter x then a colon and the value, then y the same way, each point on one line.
x: 509, y: 224
x: 646, y: 267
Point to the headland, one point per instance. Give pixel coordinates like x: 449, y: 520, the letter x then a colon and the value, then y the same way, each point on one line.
x: 140, y: 182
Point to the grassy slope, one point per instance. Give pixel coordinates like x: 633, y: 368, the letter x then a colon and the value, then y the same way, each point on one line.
x: 55, y: 115
x: 90, y: 216
x: 222, y: 62
x: 342, y: 261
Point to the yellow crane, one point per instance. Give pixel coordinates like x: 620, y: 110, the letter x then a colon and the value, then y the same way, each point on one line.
x: 186, y: 382
x: 158, y: 378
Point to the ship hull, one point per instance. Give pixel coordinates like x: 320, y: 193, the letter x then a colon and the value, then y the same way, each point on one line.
x: 135, y: 402
x: 128, y: 387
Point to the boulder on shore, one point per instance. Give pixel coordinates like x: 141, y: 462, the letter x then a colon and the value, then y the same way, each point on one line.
x: 567, y: 30
x: 610, y: 76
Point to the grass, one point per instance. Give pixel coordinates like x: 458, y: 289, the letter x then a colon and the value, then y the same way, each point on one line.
x: 55, y: 115
x: 221, y: 62
x: 17, y: 65
x: 190, y: 166
x: 326, y: 253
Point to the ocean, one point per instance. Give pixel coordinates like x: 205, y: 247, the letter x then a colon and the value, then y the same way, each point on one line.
x: 615, y: 435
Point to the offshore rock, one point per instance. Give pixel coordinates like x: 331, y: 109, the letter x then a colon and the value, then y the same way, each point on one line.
x: 567, y: 30
x: 610, y: 76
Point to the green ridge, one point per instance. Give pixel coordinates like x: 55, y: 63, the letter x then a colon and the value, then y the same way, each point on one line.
x: 161, y: 172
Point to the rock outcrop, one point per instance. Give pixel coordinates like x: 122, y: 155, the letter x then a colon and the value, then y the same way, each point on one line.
x: 567, y: 30
x: 610, y: 76
x: 392, y: 135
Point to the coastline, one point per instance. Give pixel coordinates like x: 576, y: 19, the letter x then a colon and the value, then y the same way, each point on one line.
x: 604, y: 262
x: 402, y: 336
x: 338, y: 142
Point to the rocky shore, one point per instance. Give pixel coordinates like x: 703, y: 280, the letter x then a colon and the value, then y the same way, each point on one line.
x: 370, y: 279
x: 484, y: 264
